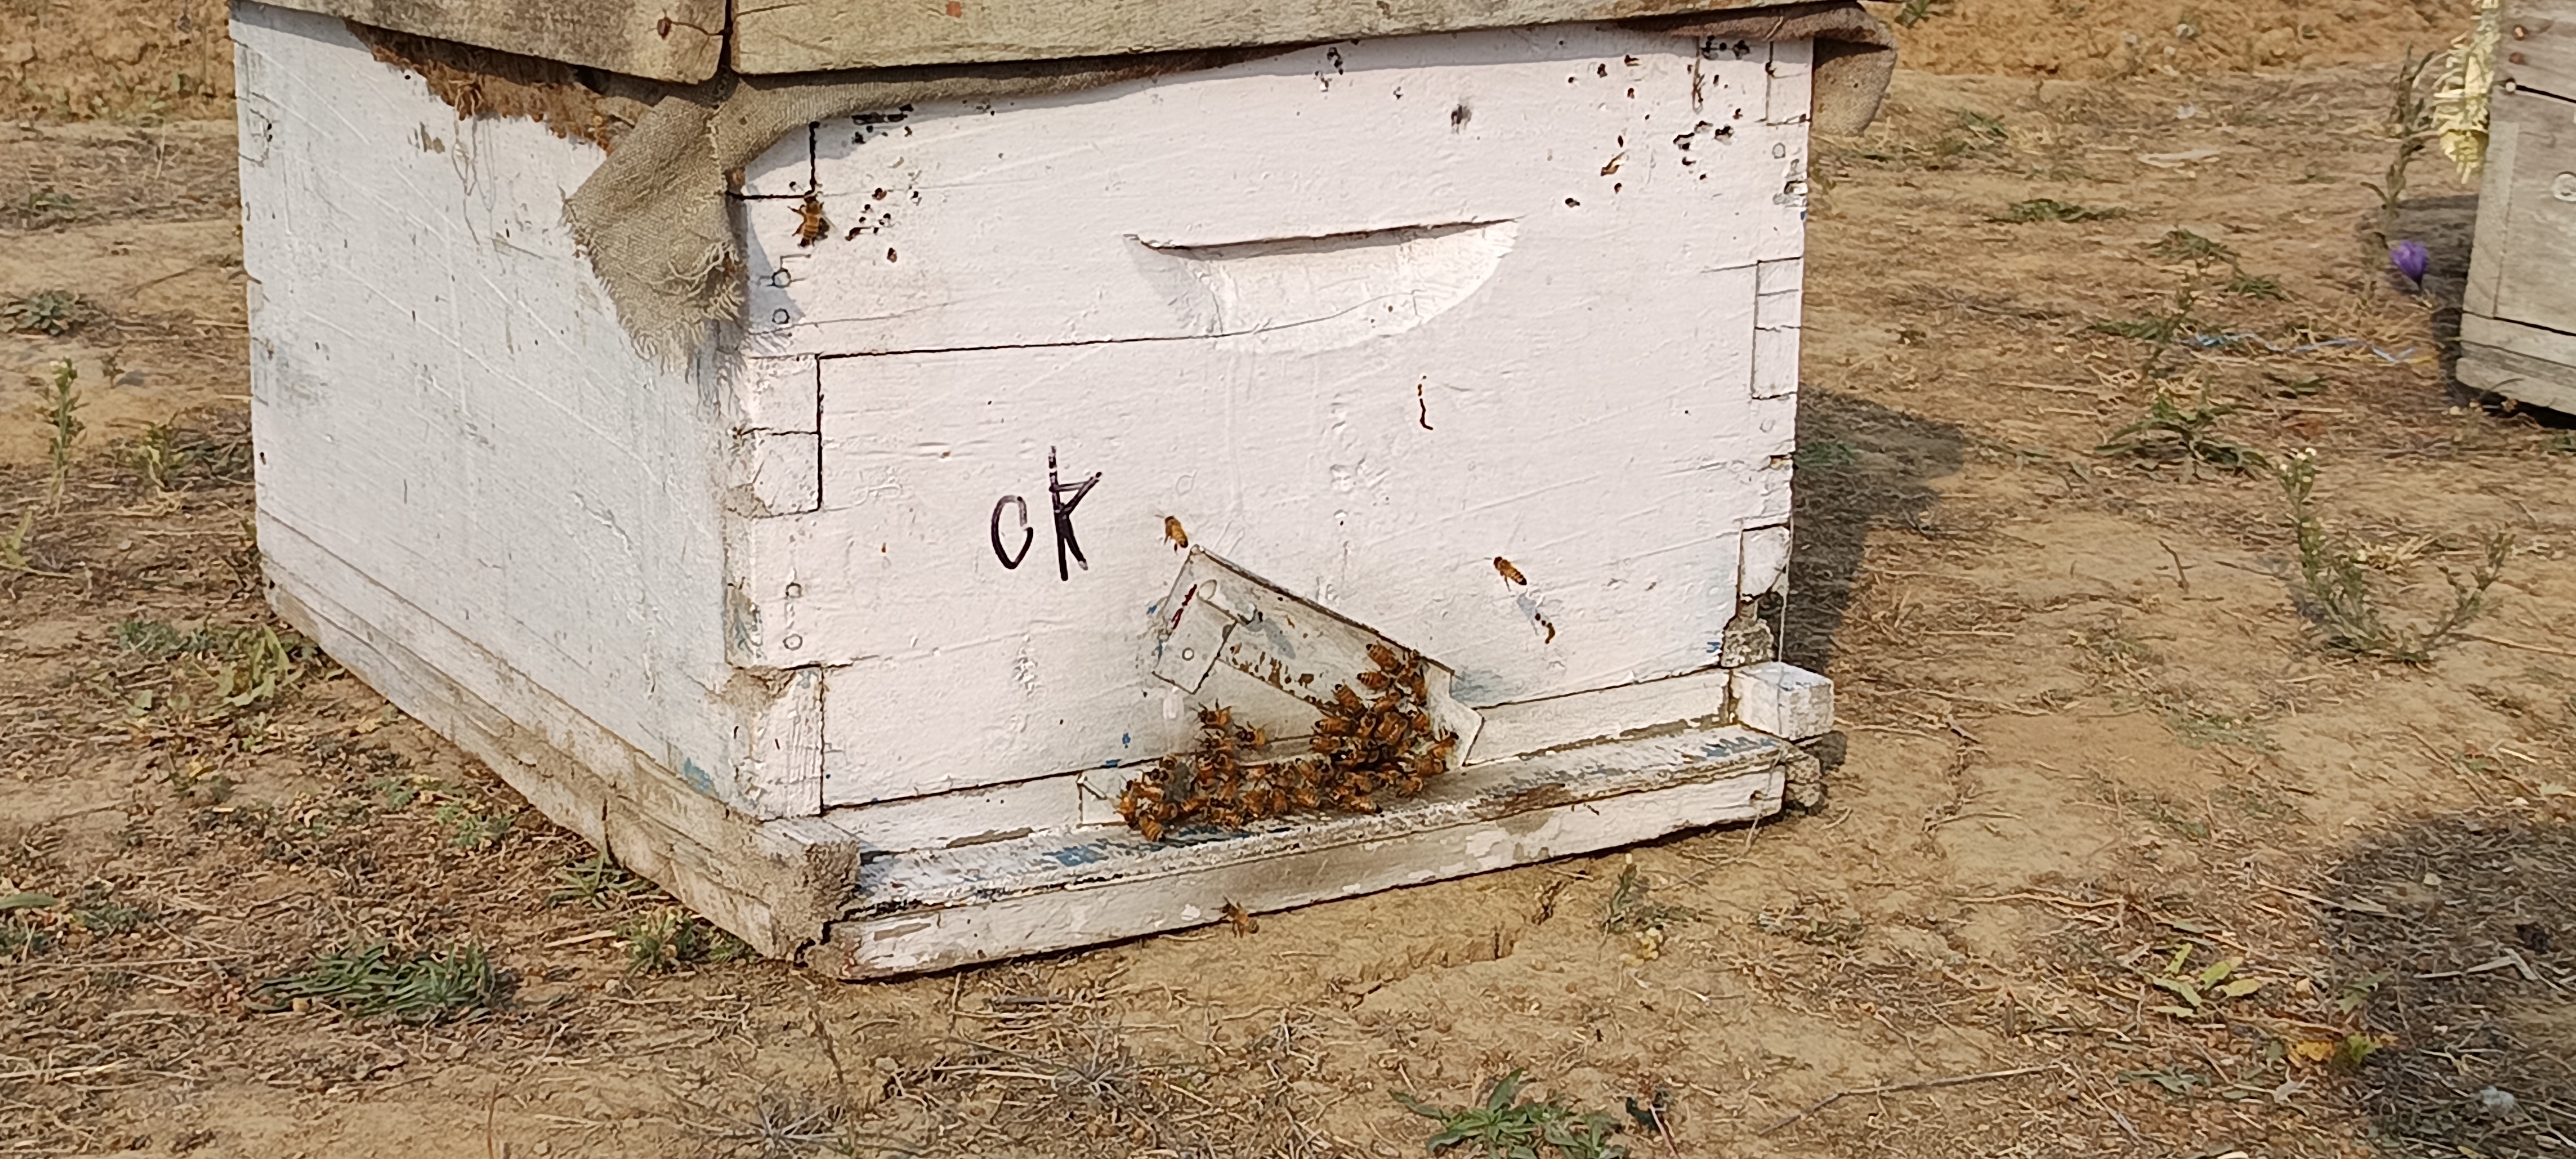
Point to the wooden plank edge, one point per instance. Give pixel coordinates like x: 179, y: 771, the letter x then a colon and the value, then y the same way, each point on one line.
x: 2525, y: 379
x: 959, y: 935
x: 773, y: 884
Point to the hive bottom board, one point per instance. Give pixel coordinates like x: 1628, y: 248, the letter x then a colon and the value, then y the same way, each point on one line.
x: 810, y: 886
x: 2528, y: 364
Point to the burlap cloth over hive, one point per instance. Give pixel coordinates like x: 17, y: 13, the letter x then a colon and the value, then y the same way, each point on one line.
x: 656, y: 218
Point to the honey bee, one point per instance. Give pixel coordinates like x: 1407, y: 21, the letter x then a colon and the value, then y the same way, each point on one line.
x: 1240, y: 918
x: 1150, y: 828
x: 1383, y: 656
x: 1509, y: 572
x: 1342, y: 695
x: 811, y: 225
x: 1375, y: 680
x: 1173, y: 531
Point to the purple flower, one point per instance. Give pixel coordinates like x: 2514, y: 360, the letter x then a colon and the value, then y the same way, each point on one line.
x: 2411, y: 259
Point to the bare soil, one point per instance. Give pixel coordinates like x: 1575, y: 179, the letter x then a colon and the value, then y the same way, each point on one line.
x: 2096, y: 752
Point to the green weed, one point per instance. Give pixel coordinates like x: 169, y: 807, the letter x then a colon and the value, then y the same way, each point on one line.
x: 1913, y: 12
x: 98, y: 911
x: 52, y: 313
x: 373, y: 978
x: 15, y: 554
x: 2200, y: 728
x: 2199, y: 993
x: 1631, y: 909
x: 472, y: 829
x: 2048, y: 209
x: 1506, y: 1127
x: 670, y: 939
x: 62, y: 413
x: 2410, y: 126
x: 1826, y: 454
x: 598, y: 882
x: 217, y: 671
x: 2334, y: 589
x: 2172, y: 434
x: 164, y: 455
x: 45, y: 207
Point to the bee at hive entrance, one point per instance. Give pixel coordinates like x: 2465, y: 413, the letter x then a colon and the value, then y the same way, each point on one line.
x: 1383, y: 740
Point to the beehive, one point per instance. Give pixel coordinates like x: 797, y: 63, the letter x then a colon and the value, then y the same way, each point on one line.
x: 1040, y: 394
x: 2518, y: 315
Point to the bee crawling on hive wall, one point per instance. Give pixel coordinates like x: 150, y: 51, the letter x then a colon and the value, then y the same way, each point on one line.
x: 811, y: 225
x: 1380, y: 741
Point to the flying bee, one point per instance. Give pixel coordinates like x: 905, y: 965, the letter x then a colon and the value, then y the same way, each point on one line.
x: 1219, y: 718
x: 1173, y: 531
x: 811, y: 225
x: 1239, y: 918
x: 1505, y: 568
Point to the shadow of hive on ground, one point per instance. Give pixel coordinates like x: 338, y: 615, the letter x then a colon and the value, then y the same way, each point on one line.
x: 2481, y: 1061
x: 1860, y: 466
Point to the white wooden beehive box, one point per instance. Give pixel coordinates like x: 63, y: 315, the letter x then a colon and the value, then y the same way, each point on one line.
x: 1051, y: 422
x: 2518, y: 311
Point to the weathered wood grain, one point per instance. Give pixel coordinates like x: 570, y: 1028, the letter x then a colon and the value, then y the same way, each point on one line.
x: 1363, y: 343
x: 772, y: 36
x: 2538, y: 50
x: 443, y: 400
x: 673, y: 40
x: 772, y: 884
x: 938, y: 909
x: 2532, y: 191
x: 2529, y: 364
x: 2521, y: 377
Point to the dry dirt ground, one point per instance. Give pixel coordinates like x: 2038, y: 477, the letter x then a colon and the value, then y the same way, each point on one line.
x: 2121, y: 843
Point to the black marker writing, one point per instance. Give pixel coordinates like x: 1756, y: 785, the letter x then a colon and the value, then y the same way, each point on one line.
x: 1028, y: 534
x: 1064, y: 540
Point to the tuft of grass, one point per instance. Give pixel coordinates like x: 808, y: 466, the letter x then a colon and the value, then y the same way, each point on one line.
x: 45, y: 207
x: 2182, y: 245
x: 167, y: 455
x: 2050, y: 209
x: 671, y: 939
x: 2334, y: 589
x: 2172, y: 434
x: 1505, y: 1126
x: 1631, y: 908
x: 598, y: 882
x: 98, y: 910
x: 472, y: 829
x: 244, y: 668
x: 1913, y: 12
x: 1632, y: 912
x: 1826, y: 454
x: 372, y: 979
x: 52, y: 313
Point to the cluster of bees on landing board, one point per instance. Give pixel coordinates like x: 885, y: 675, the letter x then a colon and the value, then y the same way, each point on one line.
x: 1363, y: 745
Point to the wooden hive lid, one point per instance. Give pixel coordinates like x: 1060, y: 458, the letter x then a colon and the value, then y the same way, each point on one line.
x: 686, y: 41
